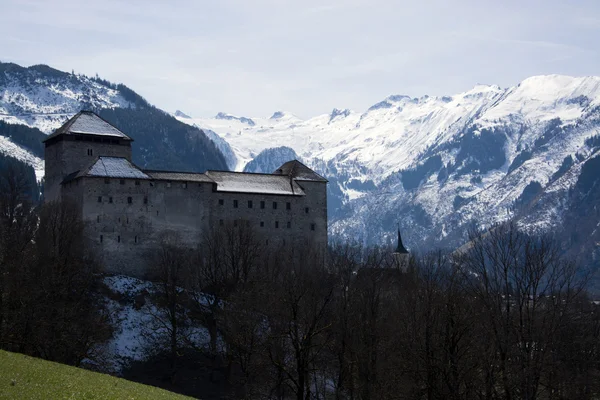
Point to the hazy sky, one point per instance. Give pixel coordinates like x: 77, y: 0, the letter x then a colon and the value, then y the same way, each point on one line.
x: 253, y: 57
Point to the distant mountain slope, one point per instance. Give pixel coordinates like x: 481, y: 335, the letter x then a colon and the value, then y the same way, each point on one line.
x: 44, y: 98
x: 440, y: 165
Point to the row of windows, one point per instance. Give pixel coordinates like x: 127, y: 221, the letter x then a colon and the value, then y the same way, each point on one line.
x: 129, y: 199
x: 138, y: 183
x: 135, y: 239
x: 262, y: 224
x: 288, y: 205
x: 119, y: 219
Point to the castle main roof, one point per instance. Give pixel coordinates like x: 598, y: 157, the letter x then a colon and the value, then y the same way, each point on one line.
x: 240, y: 182
x: 178, y: 176
x: 88, y: 123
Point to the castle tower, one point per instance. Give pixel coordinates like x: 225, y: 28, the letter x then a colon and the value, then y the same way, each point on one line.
x: 77, y: 145
x: 401, y: 255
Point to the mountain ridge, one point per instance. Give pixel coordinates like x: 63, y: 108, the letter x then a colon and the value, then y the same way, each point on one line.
x: 440, y: 165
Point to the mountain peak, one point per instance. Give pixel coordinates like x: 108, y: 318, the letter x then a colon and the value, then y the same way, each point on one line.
x: 230, y: 117
x: 277, y: 115
x: 335, y: 113
x: 181, y: 114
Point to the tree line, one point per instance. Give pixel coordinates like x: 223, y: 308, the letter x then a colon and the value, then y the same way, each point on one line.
x: 504, y: 317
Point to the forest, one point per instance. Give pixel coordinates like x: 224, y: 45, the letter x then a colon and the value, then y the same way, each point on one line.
x: 504, y: 317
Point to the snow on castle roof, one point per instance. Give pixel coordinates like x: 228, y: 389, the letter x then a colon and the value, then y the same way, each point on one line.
x: 115, y: 167
x: 243, y: 182
x: 88, y: 123
x: 178, y: 176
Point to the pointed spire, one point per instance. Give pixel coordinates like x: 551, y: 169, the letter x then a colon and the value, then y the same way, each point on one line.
x: 400, y: 249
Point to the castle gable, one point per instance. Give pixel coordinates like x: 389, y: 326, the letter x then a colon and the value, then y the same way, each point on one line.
x: 88, y: 123
x: 298, y: 171
x: 239, y: 182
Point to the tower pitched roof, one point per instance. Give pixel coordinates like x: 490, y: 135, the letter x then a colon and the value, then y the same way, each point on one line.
x: 400, y: 248
x: 88, y: 123
x: 298, y: 171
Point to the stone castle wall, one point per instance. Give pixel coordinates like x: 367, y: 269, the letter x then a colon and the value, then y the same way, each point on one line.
x: 125, y: 218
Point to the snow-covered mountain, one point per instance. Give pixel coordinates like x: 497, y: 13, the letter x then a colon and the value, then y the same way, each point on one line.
x: 439, y: 165
x: 436, y: 165
x: 44, y: 98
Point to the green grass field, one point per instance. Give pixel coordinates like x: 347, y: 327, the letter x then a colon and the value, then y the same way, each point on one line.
x: 23, y: 377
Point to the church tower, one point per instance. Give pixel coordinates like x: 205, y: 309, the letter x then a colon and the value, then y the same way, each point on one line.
x: 76, y: 145
x: 401, y: 255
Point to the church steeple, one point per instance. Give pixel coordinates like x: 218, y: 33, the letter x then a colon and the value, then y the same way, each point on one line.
x: 400, y: 249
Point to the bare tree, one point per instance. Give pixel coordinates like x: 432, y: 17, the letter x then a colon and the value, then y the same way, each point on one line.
x: 526, y: 290
x: 171, y: 262
x: 300, y: 321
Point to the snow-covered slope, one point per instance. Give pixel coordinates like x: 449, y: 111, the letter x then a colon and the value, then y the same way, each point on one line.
x: 44, y: 98
x: 437, y: 165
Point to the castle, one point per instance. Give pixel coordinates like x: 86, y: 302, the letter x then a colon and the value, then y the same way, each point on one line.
x: 126, y: 209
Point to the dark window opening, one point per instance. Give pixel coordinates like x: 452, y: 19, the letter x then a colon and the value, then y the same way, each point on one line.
x: 90, y: 152
x: 145, y: 200
x: 119, y: 219
x: 221, y: 222
x: 276, y: 224
x: 221, y: 202
x: 289, y: 224
x: 312, y: 227
x: 262, y: 204
x: 262, y: 223
x: 249, y: 203
x: 129, y: 200
x: 99, y: 199
x: 288, y: 206
x: 101, y: 238
x: 235, y: 204
x: 274, y: 205
x: 184, y: 185
x: 119, y: 239
x: 306, y: 210
x: 135, y: 239
x: 122, y: 181
x: 110, y: 200
x: 127, y: 220
x: 106, y: 180
x: 157, y: 213
x: 137, y: 183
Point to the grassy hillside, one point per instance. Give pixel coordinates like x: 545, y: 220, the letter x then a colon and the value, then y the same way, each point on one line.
x: 23, y: 377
